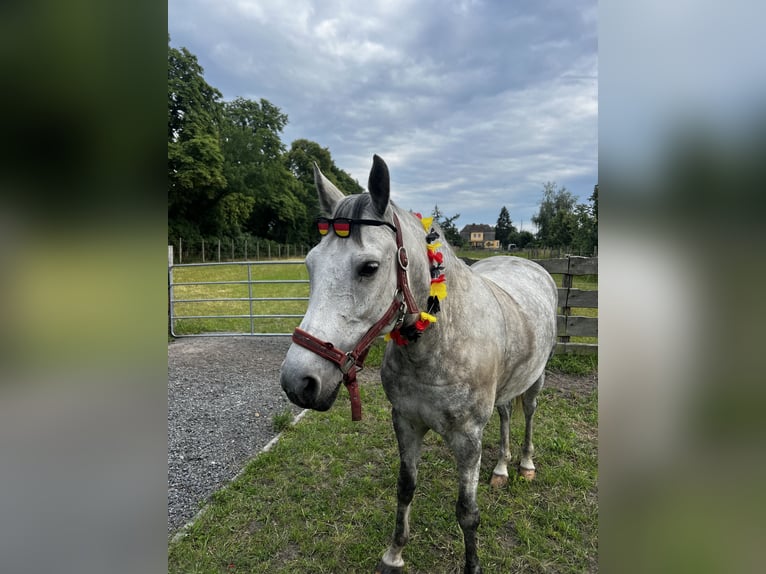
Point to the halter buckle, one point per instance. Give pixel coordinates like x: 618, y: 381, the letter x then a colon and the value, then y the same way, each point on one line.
x: 401, y: 257
x: 347, y: 363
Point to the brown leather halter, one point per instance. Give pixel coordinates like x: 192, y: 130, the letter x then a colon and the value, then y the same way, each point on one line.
x: 352, y: 361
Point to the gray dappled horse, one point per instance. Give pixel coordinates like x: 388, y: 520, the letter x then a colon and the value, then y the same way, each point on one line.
x: 378, y: 269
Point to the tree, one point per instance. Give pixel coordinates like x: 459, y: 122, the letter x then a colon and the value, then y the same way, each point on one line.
x: 555, y: 219
x: 195, y: 159
x: 228, y: 170
x: 255, y: 168
x: 505, y: 232
x: 524, y: 238
x: 447, y: 224
x: 586, y: 233
x: 300, y: 161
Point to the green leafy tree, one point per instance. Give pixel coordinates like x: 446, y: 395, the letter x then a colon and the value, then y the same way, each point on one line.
x: 505, y: 232
x: 300, y: 161
x: 585, y: 237
x: 258, y: 177
x: 524, y: 238
x: 195, y: 159
x: 301, y: 158
x: 451, y: 232
x: 555, y: 219
x: 232, y: 213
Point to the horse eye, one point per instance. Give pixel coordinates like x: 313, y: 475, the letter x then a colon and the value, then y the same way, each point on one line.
x: 369, y: 269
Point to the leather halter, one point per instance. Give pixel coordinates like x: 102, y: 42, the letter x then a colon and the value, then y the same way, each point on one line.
x: 352, y: 361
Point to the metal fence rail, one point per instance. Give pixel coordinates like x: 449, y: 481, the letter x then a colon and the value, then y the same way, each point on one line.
x: 175, y: 318
x: 569, y: 325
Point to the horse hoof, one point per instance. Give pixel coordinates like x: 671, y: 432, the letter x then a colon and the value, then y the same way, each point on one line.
x: 383, y: 568
x: 527, y: 473
x: 498, y: 480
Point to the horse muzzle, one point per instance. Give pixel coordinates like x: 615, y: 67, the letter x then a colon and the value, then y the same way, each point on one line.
x: 314, y: 389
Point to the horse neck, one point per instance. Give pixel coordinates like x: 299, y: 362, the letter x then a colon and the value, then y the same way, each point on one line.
x: 414, y: 240
x: 457, y: 273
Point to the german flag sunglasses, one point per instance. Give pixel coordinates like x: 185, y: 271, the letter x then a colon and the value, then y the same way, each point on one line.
x: 342, y: 225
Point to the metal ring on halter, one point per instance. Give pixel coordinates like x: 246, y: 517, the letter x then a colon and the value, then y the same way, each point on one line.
x: 401, y: 257
x: 402, y: 315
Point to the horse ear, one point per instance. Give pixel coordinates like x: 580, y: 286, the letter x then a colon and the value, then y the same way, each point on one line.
x: 379, y: 185
x: 329, y: 195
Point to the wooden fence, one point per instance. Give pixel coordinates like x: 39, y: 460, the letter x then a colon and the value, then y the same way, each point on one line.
x: 570, y: 298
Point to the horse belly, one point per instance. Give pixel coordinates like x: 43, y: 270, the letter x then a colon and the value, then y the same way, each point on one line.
x: 440, y: 403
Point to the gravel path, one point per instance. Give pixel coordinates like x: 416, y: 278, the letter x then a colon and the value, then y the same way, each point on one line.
x: 222, y: 395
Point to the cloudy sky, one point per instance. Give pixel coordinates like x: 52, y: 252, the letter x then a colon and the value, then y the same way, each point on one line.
x: 473, y: 104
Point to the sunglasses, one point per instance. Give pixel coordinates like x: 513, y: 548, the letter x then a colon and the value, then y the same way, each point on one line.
x: 342, y: 225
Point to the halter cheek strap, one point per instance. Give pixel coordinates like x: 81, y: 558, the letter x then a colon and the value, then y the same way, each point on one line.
x: 352, y: 361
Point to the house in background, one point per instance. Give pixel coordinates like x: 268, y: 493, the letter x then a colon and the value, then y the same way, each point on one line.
x: 479, y: 236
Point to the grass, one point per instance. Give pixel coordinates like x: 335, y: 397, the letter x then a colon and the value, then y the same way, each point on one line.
x: 281, y: 421
x: 323, y: 499
x: 260, y: 272
x: 569, y: 364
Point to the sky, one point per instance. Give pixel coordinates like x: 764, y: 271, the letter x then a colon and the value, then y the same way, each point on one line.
x: 474, y: 105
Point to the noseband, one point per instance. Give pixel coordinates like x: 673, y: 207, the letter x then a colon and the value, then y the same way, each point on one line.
x: 352, y: 361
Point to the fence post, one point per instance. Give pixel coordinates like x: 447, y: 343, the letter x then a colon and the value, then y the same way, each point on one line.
x: 219, y: 250
x: 180, y: 251
x: 566, y: 283
x: 250, y: 296
x: 203, y: 250
x: 170, y: 289
x: 232, y: 249
x: 245, y: 248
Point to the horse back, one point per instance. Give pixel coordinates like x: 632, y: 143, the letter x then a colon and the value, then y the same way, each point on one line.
x: 526, y: 281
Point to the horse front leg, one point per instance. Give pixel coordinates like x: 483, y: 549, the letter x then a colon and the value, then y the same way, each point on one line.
x: 410, y: 439
x: 467, y: 451
x: 529, y: 404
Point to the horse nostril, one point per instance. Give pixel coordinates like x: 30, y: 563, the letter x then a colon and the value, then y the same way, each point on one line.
x: 309, y: 390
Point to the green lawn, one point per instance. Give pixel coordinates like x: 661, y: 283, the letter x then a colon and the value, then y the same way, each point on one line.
x: 323, y: 499
x: 259, y: 272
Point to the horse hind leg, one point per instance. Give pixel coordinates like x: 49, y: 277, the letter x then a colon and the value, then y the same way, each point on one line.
x: 529, y: 404
x: 410, y: 439
x: 500, y: 473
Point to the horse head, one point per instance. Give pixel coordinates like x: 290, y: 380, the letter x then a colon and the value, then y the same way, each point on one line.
x: 355, y: 294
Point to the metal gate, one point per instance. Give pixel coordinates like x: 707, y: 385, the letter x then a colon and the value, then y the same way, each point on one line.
x: 232, y: 299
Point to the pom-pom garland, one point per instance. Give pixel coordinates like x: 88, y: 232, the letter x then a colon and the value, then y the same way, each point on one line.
x: 408, y: 333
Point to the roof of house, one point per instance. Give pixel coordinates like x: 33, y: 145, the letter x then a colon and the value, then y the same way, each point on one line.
x: 474, y: 227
